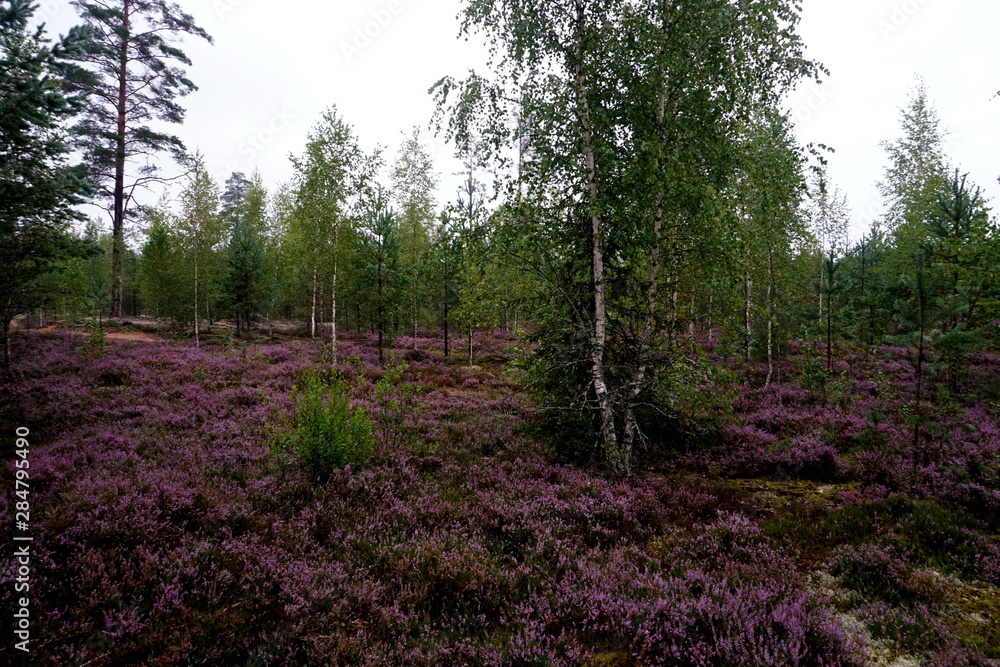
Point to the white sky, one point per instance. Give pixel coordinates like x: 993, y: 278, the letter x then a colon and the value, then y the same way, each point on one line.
x: 273, y: 71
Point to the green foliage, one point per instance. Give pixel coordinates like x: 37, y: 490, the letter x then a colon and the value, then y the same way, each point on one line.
x: 133, y: 67
x: 622, y: 158
x: 397, y: 401
x: 330, y: 178
x: 161, y: 269
x: 702, y: 394
x: 558, y: 377
x: 413, y: 184
x: 246, y: 271
x: 200, y: 228
x: 380, y: 257
x: 96, y: 343
x: 327, y: 433
x: 246, y: 278
x: 38, y: 188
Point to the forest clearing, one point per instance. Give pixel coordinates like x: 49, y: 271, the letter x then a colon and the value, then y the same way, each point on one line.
x: 599, y: 367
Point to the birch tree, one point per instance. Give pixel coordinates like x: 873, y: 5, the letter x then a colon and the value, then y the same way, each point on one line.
x: 201, y: 229
x: 633, y: 107
x: 329, y: 174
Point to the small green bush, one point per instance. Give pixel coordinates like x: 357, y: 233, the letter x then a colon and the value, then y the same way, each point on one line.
x: 327, y: 433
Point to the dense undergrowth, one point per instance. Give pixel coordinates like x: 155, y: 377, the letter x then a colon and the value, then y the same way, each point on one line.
x: 175, y: 522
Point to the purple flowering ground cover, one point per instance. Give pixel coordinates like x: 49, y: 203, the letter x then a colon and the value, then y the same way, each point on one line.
x: 793, y: 532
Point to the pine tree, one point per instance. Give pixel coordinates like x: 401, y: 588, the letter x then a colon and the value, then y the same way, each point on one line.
x: 136, y: 74
x: 381, y: 260
x: 960, y: 240
x: 38, y: 187
x: 246, y: 278
x: 160, y: 268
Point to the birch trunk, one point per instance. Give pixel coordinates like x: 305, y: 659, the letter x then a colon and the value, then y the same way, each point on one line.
x: 748, y: 306
x: 770, y: 318
x: 618, y: 459
x: 312, y: 321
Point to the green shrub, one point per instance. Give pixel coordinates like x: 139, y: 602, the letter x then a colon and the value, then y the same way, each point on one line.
x: 327, y: 433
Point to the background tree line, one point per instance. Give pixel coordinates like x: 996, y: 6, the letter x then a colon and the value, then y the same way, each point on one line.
x: 651, y: 190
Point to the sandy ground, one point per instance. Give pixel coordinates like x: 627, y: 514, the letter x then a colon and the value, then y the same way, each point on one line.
x: 133, y: 336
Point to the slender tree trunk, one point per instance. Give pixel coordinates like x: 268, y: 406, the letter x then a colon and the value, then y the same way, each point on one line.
x: 446, y: 351
x: 333, y: 293
x: 675, y: 285
x: 470, y: 347
x: 829, y: 334
x: 197, y: 330
x: 312, y: 321
x: 770, y: 318
x: 381, y: 309
x: 919, y: 409
x: 747, y: 308
x: 415, y: 318
x: 922, y: 301
x: 619, y: 460
x: 118, y: 221
x: 822, y: 285
x: 692, y: 328
x: 333, y: 314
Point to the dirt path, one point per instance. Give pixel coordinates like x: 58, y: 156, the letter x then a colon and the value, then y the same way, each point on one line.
x: 129, y: 336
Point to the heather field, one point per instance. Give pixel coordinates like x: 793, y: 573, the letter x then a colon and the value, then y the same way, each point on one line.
x: 177, y: 522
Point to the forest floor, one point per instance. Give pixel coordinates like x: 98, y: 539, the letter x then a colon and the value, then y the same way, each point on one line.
x: 779, y: 525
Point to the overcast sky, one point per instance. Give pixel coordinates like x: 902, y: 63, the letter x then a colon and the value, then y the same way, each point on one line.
x: 272, y: 71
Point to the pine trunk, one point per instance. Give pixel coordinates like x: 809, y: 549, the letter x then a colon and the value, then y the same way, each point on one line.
x: 118, y: 222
